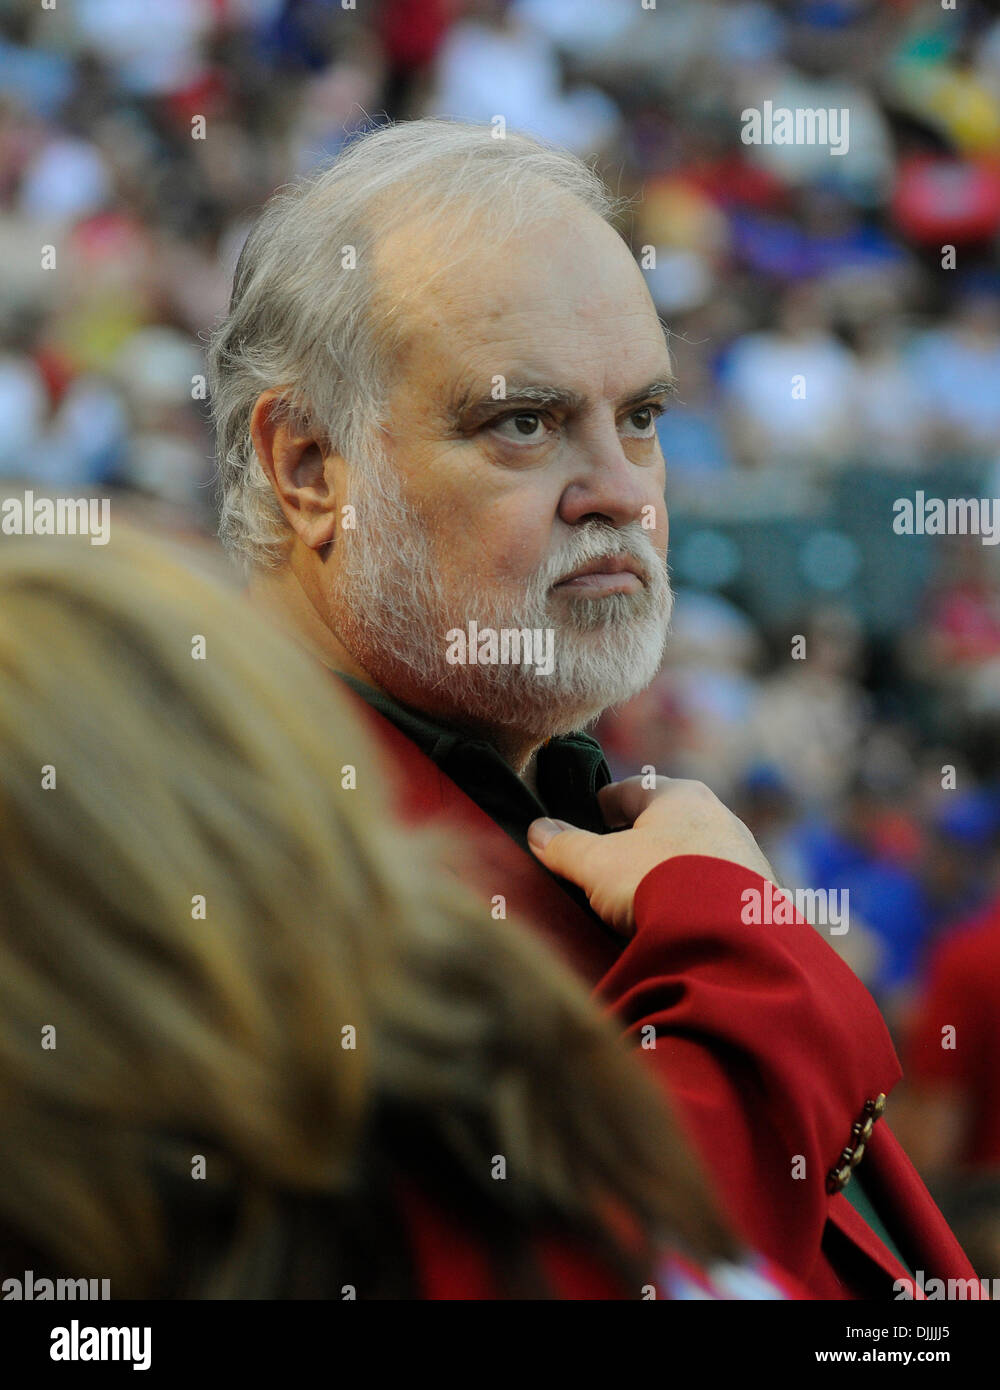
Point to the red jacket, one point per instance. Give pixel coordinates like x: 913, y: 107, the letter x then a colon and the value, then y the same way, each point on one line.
x: 768, y: 1043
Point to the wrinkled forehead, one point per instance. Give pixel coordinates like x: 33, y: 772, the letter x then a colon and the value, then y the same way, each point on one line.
x: 560, y: 295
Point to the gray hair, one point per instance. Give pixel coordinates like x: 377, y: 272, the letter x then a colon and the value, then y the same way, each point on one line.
x: 304, y: 317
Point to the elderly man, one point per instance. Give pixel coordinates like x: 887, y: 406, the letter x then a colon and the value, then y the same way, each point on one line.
x: 436, y: 393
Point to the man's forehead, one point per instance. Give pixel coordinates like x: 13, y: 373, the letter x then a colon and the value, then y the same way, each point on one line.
x: 458, y: 302
x: 455, y: 375
x: 647, y: 358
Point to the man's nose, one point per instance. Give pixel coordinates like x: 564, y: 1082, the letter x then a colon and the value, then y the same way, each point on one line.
x: 605, y: 482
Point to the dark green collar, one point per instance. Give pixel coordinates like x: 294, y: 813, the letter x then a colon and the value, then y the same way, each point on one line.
x: 571, y: 769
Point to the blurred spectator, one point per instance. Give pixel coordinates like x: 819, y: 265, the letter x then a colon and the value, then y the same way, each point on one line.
x: 951, y: 1106
x: 889, y: 407
x: 808, y: 718
x: 957, y: 368
x: 956, y: 647
x: 788, y: 390
x: 498, y: 63
x: 865, y: 176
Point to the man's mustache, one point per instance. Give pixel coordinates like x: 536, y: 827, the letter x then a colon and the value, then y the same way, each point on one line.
x: 603, y: 545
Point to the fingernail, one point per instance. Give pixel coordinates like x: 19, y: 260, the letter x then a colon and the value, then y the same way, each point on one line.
x: 540, y: 832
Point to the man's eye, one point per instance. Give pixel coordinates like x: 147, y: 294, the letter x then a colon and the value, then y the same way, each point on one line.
x: 644, y: 419
x: 523, y: 426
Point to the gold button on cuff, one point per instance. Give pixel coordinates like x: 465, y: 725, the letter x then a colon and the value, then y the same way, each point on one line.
x: 838, y: 1179
x: 861, y: 1131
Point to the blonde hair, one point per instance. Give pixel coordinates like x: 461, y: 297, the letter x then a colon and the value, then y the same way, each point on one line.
x: 140, y: 782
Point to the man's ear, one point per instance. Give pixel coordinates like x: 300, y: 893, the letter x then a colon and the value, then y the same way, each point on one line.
x: 300, y: 470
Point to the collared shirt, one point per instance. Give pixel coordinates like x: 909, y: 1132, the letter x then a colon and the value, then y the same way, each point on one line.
x: 571, y: 769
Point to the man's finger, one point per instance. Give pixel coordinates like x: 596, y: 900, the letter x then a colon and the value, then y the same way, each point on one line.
x: 561, y: 847
x: 622, y: 803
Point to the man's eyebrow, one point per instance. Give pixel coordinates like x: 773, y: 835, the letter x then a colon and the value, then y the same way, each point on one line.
x: 666, y: 386
x: 467, y: 409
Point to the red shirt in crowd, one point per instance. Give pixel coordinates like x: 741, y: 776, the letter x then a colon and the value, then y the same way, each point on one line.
x: 953, y: 1041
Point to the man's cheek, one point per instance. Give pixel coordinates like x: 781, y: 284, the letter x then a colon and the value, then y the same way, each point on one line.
x: 519, y: 547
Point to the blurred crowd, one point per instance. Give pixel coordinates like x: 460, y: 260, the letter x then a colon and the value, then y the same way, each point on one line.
x: 852, y: 719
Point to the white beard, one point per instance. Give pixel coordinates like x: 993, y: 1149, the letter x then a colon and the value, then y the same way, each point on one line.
x: 394, y: 612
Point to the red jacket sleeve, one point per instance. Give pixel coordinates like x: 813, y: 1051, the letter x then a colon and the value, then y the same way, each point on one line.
x: 767, y: 1041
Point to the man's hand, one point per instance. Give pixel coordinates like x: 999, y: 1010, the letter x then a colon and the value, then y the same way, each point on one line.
x: 677, y: 817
